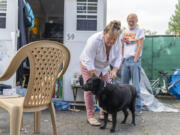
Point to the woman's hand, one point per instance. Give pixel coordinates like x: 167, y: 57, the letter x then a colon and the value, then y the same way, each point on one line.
x: 93, y: 72
x: 113, y: 73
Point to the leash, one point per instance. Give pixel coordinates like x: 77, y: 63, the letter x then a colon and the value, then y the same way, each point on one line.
x: 111, y: 81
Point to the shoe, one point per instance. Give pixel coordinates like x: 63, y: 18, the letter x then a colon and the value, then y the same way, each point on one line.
x: 93, y: 122
x: 101, y: 117
x: 138, y: 113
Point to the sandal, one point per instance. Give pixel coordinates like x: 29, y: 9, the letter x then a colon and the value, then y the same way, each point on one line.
x: 101, y: 117
x: 93, y: 122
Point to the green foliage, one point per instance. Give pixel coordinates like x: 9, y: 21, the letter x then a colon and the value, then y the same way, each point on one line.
x: 174, y: 23
x: 149, y: 32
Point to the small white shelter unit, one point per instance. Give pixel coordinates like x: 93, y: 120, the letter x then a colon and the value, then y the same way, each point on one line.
x: 70, y: 22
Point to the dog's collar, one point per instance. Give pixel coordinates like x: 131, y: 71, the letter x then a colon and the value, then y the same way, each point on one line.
x: 105, y: 84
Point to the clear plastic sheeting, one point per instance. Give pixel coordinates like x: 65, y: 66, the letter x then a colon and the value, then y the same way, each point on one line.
x: 149, y: 101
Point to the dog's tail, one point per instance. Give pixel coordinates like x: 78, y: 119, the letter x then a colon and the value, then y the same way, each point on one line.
x: 134, y: 92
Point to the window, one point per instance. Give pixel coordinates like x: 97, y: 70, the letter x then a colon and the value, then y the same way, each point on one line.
x: 3, y: 9
x: 87, y: 15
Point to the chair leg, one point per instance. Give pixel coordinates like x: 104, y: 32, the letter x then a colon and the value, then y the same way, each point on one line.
x: 22, y: 123
x: 53, y: 117
x: 37, y: 120
x: 15, y: 120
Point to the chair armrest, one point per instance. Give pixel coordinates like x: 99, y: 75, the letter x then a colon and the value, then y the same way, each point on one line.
x: 13, y: 65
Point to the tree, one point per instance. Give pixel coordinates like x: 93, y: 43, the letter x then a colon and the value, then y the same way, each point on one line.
x: 174, y: 23
x: 149, y: 32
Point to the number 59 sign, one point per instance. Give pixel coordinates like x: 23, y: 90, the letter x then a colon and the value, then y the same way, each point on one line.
x: 70, y: 36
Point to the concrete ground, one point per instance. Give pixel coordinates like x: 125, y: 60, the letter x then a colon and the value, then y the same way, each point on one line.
x: 75, y: 123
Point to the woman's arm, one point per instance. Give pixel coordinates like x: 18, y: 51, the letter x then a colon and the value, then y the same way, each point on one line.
x: 90, y: 53
x: 118, y: 59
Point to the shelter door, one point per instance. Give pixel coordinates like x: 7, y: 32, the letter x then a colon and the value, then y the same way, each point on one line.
x: 8, y: 34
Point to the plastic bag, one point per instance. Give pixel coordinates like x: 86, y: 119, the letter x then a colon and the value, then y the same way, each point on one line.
x: 63, y: 106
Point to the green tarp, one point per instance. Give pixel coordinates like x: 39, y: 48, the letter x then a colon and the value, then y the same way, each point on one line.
x: 160, y: 53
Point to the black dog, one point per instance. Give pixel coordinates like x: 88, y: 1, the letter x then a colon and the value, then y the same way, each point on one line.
x: 113, y: 98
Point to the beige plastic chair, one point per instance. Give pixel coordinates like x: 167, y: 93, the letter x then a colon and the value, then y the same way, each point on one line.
x: 46, y: 59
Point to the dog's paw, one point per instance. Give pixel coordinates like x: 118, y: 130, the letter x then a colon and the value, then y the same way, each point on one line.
x: 112, y: 130
x: 102, y: 127
x: 133, y: 123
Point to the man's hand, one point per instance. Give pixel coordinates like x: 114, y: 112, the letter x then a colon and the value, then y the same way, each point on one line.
x: 113, y: 73
x: 135, y: 59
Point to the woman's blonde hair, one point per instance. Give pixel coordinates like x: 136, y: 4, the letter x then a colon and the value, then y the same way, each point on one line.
x: 113, y: 28
x: 132, y: 15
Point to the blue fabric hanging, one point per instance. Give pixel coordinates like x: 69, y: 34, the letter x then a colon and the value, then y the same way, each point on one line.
x: 29, y: 15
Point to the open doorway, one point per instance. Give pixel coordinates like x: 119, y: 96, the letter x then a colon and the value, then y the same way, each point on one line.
x: 48, y: 25
x: 49, y: 20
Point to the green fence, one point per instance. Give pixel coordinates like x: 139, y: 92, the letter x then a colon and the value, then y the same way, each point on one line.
x: 160, y: 53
